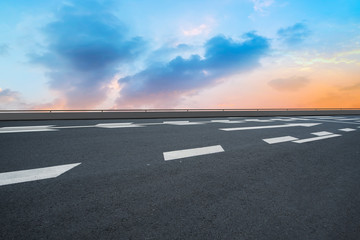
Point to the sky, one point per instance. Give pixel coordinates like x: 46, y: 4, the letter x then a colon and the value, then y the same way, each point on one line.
x: 107, y: 54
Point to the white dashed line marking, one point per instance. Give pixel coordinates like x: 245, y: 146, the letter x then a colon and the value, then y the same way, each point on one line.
x: 347, y: 129
x: 172, y: 155
x: 316, y: 138
x: 182, y: 123
x: 34, y: 174
x: 323, y: 133
x: 27, y: 129
x: 279, y: 139
x: 90, y: 126
x: 226, y: 121
x: 258, y: 120
x: 271, y: 126
x: 117, y: 125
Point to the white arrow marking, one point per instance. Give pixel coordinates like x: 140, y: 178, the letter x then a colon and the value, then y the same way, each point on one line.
x: 34, y: 174
x: 271, y: 126
x: 192, y: 152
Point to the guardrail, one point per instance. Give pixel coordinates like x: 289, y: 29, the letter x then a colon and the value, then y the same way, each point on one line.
x: 176, y: 110
x: 7, y: 115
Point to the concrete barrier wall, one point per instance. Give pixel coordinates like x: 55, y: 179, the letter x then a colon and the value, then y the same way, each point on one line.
x: 173, y: 114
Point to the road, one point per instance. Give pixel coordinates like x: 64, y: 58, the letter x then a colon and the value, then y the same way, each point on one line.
x: 224, y: 178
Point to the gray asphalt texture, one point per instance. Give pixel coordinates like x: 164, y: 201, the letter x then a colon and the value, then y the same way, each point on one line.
x: 125, y: 190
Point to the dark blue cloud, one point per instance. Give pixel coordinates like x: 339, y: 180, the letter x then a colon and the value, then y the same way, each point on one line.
x: 223, y: 57
x: 294, y: 34
x: 86, y: 45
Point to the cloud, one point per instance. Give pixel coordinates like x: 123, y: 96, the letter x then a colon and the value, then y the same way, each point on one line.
x: 160, y: 83
x: 354, y: 87
x: 4, y: 49
x: 261, y: 5
x: 289, y: 84
x: 294, y: 34
x: 8, y: 95
x: 86, y: 45
x: 11, y: 100
x: 203, y: 28
x: 169, y: 51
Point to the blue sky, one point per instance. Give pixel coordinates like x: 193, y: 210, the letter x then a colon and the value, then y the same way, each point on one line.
x: 196, y: 54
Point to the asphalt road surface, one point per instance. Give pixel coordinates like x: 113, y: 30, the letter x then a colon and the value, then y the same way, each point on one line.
x: 225, y: 178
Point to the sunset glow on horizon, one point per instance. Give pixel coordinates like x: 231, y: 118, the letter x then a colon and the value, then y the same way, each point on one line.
x: 106, y: 54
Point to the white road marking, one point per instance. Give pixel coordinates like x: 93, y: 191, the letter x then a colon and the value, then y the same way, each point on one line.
x: 174, y: 122
x: 322, y: 117
x: 31, y: 127
x: 114, y: 124
x: 323, y: 133
x: 226, y: 121
x: 149, y: 124
x: 181, y: 123
x: 345, y: 119
x: 117, y: 125
x: 332, y: 121
x: 283, y: 119
x: 279, y: 139
x: 316, y: 138
x: 63, y: 127
x: 258, y: 120
x: 34, y: 174
x: 347, y: 129
x: 192, y: 152
x: 271, y: 126
x: 21, y: 129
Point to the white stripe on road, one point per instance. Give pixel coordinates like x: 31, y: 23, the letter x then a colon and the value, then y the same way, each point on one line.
x: 113, y: 124
x: 149, y: 124
x: 181, y: 123
x: 90, y: 126
x: 226, y: 121
x: 316, y: 138
x: 280, y: 139
x: 117, y: 125
x: 283, y: 119
x: 31, y: 127
x: 347, y: 129
x: 271, y: 126
x: 221, y: 121
x: 192, y: 152
x: 332, y: 121
x: 321, y: 117
x: 34, y: 174
x: 27, y: 129
x: 323, y: 133
x: 258, y: 120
